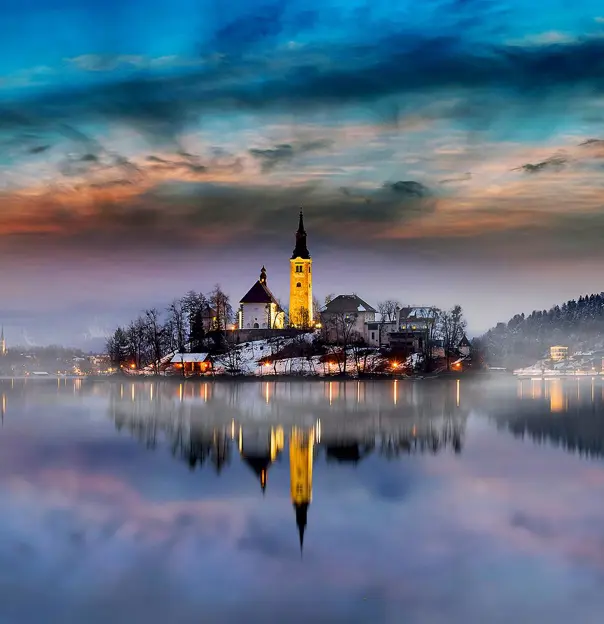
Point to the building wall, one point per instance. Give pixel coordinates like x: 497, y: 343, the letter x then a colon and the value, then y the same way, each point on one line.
x: 359, y: 326
x: 374, y: 332
x: 300, y: 292
x: 257, y: 313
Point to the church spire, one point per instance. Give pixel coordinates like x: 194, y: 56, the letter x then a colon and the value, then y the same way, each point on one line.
x: 301, y: 519
x: 301, y: 250
x: 263, y: 276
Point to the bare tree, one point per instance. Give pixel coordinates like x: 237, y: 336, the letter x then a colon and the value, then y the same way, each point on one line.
x: 338, y: 328
x: 303, y: 317
x: 316, y: 309
x: 232, y: 359
x: 451, y: 328
x: 155, y: 335
x: 118, y: 347
x: 360, y: 352
x: 389, y: 310
x: 177, y: 321
x: 137, y: 344
x: 221, y: 304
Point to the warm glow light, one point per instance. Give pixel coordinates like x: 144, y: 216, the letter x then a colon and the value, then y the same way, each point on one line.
x: 457, y: 393
x: 394, y: 364
x: 132, y: 366
x: 395, y: 391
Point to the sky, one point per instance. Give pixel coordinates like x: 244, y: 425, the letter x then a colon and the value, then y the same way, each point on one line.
x: 448, y: 151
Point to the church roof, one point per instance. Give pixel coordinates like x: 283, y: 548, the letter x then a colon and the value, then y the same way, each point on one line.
x: 259, y: 465
x: 259, y: 293
x: 347, y: 304
x: 301, y: 250
x: 464, y: 342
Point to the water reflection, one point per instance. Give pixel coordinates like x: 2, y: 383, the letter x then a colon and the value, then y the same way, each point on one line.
x: 151, y: 501
x: 206, y: 424
x: 565, y: 413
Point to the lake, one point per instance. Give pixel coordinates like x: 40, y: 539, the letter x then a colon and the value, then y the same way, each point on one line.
x: 454, y: 501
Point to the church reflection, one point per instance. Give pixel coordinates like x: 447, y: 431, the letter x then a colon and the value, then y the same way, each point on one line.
x: 206, y: 426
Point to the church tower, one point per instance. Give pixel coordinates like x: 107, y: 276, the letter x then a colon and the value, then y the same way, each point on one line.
x: 2, y: 343
x: 300, y: 282
x: 300, y: 468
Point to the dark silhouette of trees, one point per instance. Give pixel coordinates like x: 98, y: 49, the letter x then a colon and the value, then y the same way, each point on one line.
x: 578, y: 324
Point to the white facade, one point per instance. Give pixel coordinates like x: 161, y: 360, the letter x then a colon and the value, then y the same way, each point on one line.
x: 260, y: 316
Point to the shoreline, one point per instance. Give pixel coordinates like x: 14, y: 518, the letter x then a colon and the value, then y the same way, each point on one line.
x: 297, y: 378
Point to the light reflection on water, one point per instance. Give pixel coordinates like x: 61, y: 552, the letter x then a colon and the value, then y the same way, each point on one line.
x: 429, y: 501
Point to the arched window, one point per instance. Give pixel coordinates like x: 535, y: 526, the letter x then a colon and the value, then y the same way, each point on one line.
x: 256, y: 326
x: 298, y: 285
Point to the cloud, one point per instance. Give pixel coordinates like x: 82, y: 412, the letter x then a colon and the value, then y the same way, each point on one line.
x: 469, y: 84
x: 555, y: 162
x: 408, y: 188
x: 464, y: 177
x: 105, y: 62
x: 285, y: 152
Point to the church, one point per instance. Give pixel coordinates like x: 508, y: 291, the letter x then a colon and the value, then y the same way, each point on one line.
x: 259, y: 309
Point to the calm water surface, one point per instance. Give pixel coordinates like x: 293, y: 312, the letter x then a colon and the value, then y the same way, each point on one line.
x: 429, y: 501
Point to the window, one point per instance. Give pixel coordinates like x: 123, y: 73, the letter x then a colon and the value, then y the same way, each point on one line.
x: 298, y: 285
x: 299, y: 268
x: 372, y: 335
x: 256, y: 326
x: 309, y: 268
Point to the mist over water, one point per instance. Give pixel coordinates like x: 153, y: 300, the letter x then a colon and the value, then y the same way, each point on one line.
x: 427, y: 501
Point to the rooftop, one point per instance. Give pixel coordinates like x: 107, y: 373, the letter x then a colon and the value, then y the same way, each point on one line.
x: 347, y: 304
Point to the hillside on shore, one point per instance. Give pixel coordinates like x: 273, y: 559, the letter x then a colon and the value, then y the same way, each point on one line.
x: 578, y: 324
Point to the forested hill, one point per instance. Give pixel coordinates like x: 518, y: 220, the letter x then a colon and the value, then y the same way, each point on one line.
x: 525, y: 339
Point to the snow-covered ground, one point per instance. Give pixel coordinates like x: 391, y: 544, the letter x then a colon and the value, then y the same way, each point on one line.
x: 265, y: 357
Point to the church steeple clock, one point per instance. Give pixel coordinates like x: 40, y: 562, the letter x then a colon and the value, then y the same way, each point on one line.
x: 300, y: 283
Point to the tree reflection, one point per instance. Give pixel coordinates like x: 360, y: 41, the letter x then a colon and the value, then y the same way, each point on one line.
x: 193, y: 423
x: 566, y: 414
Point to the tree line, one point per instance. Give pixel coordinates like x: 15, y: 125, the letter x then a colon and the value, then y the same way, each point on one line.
x: 578, y: 324
x: 185, y: 325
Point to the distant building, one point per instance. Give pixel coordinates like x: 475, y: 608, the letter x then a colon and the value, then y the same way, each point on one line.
x: 464, y: 347
x: 300, y: 284
x: 3, y: 350
x: 414, y: 327
x: 358, y: 314
x: 192, y: 363
x: 558, y: 353
x: 258, y: 308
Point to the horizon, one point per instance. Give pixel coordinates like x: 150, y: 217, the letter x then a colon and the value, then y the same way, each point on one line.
x: 448, y: 153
